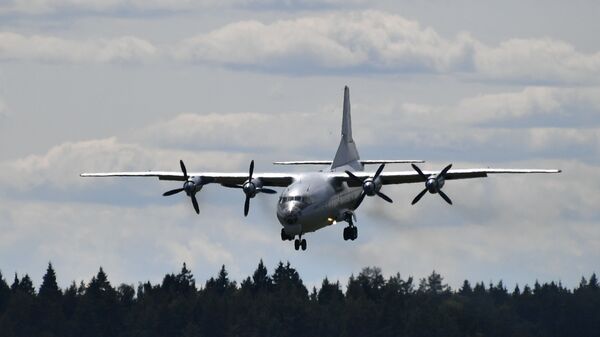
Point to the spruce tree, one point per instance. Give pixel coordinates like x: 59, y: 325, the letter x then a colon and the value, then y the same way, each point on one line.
x: 49, y: 288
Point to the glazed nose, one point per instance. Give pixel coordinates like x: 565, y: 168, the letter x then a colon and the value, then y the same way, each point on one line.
x: 291, y: 216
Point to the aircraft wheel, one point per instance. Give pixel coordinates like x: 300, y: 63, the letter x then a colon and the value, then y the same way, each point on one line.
x: 354, y: 233
x: 284, y: 236
x: 303, y: 244
x: 296, y: 244
x: 345, y: 233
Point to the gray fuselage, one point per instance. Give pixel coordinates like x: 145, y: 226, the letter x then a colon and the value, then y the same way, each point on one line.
x: 314, y: 201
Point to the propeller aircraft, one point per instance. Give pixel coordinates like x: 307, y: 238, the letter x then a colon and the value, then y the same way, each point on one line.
x: 314, y: 200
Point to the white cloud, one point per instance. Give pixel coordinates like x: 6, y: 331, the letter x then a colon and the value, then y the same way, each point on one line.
x: 59, y: 168
x: 3, y: 109
x: 377, y: 41
x: 126, y: 49
x: 537, y: 60
x: 238, y: 130
x: 373, y: 40
x: 340, y: 42
x: 107, y: 6
x: 132, y: 244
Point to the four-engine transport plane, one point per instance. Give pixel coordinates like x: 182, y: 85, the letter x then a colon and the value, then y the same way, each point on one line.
x: 311, y: 201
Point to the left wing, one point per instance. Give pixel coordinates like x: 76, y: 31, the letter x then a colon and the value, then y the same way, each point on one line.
x: 267, y: 179
x: 405, y: 177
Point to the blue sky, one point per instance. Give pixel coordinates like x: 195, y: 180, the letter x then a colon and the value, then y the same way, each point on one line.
x: 138, y: 85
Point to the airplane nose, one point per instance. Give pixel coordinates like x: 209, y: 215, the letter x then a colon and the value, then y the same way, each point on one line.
x: 291, y: 216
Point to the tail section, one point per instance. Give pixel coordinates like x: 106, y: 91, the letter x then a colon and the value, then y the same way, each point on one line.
x: 347, y: 154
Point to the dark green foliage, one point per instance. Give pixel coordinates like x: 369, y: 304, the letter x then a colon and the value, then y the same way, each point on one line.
x: 49, y: 288
x: 279, y: 304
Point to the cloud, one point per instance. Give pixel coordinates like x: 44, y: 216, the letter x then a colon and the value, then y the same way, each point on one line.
x: 374, y: 41
x: 536, y: 122
x: 132, y: 244
x: 3, y: 109
x: 537, y: 60
x: 371, y: 40
x: 548, y: 222
x: 234, y: 131
x: 140, y: 6
x: 57, y: 171
x: 339, y: 43
x: 40, y: 48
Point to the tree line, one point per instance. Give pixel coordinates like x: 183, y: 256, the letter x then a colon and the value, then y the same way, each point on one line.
x: 279, y: 304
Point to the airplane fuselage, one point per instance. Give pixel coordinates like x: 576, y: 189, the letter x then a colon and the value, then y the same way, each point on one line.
x: 315, y: 201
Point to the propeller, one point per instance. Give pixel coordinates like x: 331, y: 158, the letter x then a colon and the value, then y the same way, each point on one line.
x: 371, y: 186
x: 251, y: 187
x: 433, y: 183
x: 191, y: 186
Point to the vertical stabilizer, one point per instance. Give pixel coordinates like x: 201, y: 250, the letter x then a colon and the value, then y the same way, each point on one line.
x: 347, y: 154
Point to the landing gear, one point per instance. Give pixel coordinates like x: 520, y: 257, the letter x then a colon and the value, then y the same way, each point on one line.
x: 300, y: 243
x: 285, y: 236
x: 350, y: 233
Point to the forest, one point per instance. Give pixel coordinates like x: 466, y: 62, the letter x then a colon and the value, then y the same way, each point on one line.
x: 279, y: 304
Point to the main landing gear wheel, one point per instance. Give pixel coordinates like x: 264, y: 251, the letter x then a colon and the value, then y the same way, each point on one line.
x: 350, y: 233
x: 300, y: 243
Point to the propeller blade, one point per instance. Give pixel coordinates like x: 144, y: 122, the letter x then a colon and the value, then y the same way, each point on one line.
x: 246, y: 206
x: 421, y: 174
x: 171, y: 192
x: 251, y: 170
x: 360, y: 199
x: 384, y: 197
x: 195, y: 203
x: 353, y: 177
x: 267, y: 190
x: 183, y: 169
x: 378, y: 172
x: 419, y: 196
x: 445, y: 170
x: 232, y: 186
x: 443, y: 195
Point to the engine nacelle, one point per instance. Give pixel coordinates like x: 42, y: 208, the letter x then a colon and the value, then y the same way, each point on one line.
x: 193, y: 185
x: 251, y: 187
x: 371, y: 187
x: 434, y: 184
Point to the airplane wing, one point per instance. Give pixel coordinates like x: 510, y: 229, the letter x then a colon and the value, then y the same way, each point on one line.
x: 268, y: 179
x: 405, y: 177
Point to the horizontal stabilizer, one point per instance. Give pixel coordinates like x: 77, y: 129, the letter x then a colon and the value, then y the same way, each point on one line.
x: 364, y: 162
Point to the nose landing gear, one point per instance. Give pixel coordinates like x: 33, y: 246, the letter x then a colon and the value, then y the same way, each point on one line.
x: 299, y: 243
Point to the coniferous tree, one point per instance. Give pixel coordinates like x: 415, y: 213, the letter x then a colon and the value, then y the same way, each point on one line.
x: 26, y: 285
x: 15, y: 285
x: 4, y: 293
x: 593, y: 283
x: 466, y: 289
x: 260, y: 279
x: 49, y: 288
x: 280, y: 305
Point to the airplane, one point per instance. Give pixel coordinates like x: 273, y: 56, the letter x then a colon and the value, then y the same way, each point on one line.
x: 314, y: 200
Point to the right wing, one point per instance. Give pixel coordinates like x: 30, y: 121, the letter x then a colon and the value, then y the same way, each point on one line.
x: 405, y: 177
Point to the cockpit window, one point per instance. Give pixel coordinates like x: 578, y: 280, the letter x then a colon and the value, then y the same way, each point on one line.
x: 302, y: 199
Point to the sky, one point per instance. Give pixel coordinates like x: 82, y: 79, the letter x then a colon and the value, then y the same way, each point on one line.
x: 113, y: 85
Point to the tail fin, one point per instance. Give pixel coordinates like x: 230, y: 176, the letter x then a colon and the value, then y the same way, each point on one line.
x: 347, y: 154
